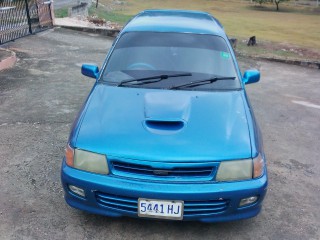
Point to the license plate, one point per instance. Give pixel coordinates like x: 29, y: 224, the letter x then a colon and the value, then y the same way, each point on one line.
x: 167, y: 209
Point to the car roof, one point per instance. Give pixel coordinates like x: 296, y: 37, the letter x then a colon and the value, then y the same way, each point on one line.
x: 182, y: 21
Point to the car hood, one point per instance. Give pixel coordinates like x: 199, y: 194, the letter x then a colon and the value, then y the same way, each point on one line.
x: 164, y: 125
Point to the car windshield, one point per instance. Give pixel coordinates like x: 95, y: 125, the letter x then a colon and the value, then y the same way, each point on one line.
x: 177, y: 58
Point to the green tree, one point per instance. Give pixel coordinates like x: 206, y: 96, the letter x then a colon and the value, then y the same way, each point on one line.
x: 277, y: 2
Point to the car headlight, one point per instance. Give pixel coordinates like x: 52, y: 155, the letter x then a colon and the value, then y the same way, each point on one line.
x: 87, y: 161
x: 235, y: 170
x: 241, y: 169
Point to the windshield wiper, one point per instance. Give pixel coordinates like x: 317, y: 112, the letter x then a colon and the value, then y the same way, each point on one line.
x: 157, y: 78
x: 202, y: 82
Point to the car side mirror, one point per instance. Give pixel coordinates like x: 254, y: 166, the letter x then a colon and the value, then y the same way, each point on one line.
x: 251, y: 76
x: 90, y: 70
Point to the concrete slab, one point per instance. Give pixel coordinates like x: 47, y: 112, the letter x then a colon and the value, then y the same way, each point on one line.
x: 78, y: 24
x: 75, y: 22
x: 7, y: 59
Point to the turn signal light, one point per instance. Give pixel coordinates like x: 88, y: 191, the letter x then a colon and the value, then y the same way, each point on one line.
x: 258, y: 164
x: 69, y: 155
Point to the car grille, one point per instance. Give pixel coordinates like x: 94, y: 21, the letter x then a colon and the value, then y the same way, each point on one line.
x: 129, y: 205
x: 176, y: 173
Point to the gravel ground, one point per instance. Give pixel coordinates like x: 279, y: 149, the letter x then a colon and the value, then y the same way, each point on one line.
x: 40, y: 97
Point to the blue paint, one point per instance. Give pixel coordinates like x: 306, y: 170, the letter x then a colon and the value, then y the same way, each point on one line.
x: 251, y: 76
x: 167, y: 144
x: 90, y: 70
x: 175, y: 21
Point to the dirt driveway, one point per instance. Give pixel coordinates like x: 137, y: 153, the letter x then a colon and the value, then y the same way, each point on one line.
x: 40, y: 98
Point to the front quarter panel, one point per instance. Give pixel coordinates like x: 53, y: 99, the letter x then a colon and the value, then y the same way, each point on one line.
x: 254, y: 129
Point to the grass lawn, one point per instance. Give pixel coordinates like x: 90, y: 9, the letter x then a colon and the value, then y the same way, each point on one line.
x: 111, y: 16
x: 293, y: 25
x: 60, y: 13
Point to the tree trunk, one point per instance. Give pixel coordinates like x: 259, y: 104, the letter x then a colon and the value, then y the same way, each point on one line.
x: 277, y: 3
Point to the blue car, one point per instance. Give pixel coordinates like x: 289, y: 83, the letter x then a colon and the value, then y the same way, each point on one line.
x: 167, y: 130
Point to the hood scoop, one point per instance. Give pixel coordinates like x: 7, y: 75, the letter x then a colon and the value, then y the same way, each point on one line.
x: 167, y: 106
x: 165, y: 112
x: 164, y: 126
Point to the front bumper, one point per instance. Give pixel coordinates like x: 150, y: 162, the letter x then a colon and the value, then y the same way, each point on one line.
x: 113, y: 196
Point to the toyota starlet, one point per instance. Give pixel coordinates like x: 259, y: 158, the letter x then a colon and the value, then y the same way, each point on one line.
x: 167, y: 130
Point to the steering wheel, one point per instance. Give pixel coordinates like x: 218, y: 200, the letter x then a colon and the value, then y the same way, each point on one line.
x: 140, y: 66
